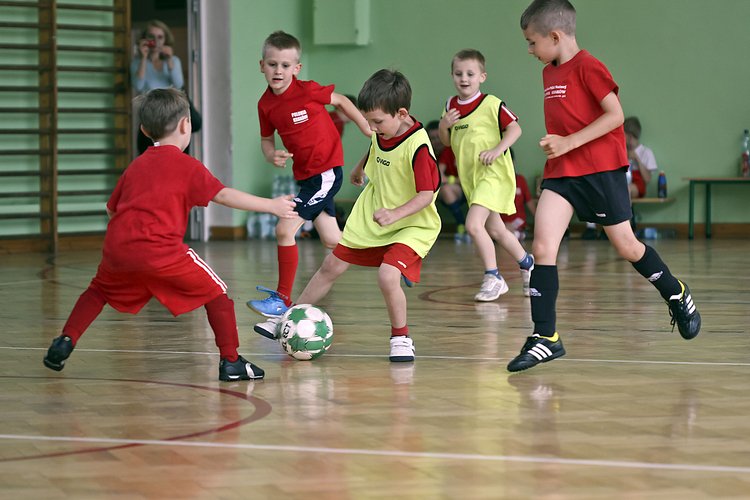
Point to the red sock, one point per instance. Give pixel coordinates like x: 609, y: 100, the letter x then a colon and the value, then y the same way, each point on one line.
x: 87, y: 308
x: 288, y: 261
x: 220, y: 312
x: 400, y: 332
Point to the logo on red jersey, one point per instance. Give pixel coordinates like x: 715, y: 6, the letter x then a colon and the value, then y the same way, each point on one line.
x: 299, y: 117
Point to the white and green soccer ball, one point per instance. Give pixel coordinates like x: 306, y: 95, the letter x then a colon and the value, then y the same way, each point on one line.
x: 305, y: 332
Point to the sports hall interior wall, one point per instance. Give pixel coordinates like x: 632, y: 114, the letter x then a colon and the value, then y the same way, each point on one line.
x: 681, y: 66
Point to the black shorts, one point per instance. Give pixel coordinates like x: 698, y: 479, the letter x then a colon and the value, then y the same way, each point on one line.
x: 602, y: 198
x: 316, y: 194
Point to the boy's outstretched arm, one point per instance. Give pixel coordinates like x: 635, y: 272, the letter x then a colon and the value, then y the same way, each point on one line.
x: 350, y: 110
x: 510, y: 136
x: 277, y: 157
x: 386, y: 216
x: 282, y: 207
x: 557, y: 145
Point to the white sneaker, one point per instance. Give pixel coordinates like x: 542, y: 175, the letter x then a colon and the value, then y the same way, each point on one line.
x: 268, y: 328
x: 402, y: 349
x: 492, y: 288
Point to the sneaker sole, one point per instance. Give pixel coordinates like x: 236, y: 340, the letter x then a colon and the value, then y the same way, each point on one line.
x: 267, y: 315
x: 263, y: 332
x: 54, y: 366
x: 401, y: 359
x: 545, y: 360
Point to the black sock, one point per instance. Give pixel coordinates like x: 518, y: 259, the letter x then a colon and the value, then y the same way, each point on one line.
x: 544, y: 287
x: 656, y: 271
x: 458, y: 214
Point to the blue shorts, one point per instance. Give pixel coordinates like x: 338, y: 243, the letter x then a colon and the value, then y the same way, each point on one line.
x: 316, y: 194
x: 602, y: 198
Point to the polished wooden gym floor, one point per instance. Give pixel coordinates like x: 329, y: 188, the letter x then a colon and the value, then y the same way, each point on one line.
x: 632, y: 411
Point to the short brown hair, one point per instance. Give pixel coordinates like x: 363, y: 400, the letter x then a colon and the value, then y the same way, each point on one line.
x: 160, y: 111
x: 469, y: 55
x: 387, y: 90
x: 632, y: 126
x: 281, y: 40
x: 544, y: 16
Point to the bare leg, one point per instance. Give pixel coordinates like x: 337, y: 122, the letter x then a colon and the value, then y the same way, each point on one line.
x: 507, y: 240
x: 328, y: 230
x: 322, y: 281
x: 475, y: 226
x: 389, y: 280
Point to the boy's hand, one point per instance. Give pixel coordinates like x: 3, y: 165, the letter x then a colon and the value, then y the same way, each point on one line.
x: 487, y: 157
x: 450, y: 118
x: 555, y: 145
x: 283, y: 207
x: 357, y: 177
x: 384, y: 216
x: 280, y: 157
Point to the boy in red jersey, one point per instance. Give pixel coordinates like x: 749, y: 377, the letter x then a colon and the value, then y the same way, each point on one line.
x: 144, y: 255
x: 585, y: 174
x: 296, y: 110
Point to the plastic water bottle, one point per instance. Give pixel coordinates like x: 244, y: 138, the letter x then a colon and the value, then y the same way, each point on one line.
x: 745, y: 165
x: 661, y: 185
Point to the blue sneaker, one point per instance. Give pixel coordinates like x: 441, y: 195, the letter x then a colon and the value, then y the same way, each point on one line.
x: 272, y: 306
x: 407, y: 281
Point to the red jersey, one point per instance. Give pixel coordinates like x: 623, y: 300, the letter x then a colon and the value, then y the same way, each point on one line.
x: 572, y: 95
x: 300, y: 117
x: 151, y: 205
x: 523, y: 195
x: 448, y: 159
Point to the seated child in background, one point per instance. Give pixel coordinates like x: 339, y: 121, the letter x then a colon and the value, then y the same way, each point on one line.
x: 144, y: 255
x: 451, y: 195
x: 641, y: 158
x: 394, y: 222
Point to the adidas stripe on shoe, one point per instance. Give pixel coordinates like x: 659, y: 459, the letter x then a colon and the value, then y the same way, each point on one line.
x: 537, y: 349
x: 684, y: 313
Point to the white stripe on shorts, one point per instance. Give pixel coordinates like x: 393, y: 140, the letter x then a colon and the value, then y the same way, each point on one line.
x: 196, y: 258
x: 327, y: 179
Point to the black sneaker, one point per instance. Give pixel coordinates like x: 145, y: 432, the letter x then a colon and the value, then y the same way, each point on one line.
x: 58, y: 352
x: 537, y: 349
x: 684, y: 313
x: 241, y: 369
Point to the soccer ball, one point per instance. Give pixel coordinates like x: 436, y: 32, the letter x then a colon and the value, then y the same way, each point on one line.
x: 305, y: 332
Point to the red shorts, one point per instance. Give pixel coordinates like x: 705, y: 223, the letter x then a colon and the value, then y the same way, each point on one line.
x: 181, y: 287
x: 398, y: 255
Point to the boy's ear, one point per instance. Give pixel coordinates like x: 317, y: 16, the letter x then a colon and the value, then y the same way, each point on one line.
x: 402, y: 113
x: 297, y: 68
x: 145, y: 132
x: 555, y: 36
x: 184, y: 125
x: 261, y: 65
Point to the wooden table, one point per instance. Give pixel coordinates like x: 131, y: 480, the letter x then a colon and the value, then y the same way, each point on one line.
x: 708, y: 182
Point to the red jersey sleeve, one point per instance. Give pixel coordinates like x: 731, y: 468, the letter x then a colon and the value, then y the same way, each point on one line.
x: 266, y: 128
x: 505, y: 116
x: 319, y: 93
x: 114, y: 198
x: 599, y: 81
x: 426, y: 175
x: 203, y: 184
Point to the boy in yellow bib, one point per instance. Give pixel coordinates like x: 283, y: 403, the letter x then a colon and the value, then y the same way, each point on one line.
x: 480, y: 129
x: 394, y: 221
